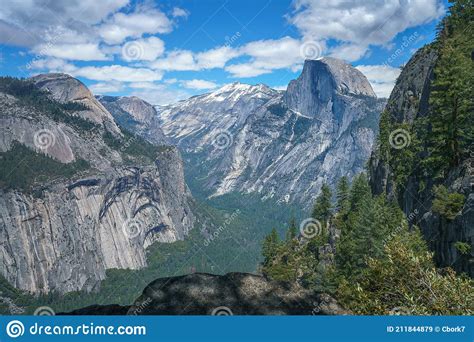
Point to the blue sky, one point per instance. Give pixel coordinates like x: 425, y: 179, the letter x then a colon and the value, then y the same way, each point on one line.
x: 164, y: 51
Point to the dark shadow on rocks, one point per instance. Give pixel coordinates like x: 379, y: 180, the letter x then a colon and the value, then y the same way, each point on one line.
x: 233, y: 293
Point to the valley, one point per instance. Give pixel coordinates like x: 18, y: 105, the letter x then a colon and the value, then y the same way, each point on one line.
x: 318, y: 199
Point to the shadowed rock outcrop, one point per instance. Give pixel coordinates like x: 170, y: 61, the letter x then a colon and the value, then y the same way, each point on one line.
x: 230, y: 294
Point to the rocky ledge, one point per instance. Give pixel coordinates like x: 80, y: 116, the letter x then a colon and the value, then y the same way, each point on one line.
x: 230, y: 294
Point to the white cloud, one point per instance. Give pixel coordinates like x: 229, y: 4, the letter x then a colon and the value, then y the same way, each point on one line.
x: 81, y: 52
x: 108, y: 73
x: 215, y: 58
x: 361, y: 23
x: 281, y: 87
x: 381, y: 77
x: 179, y: 12
x: 147, y: 49
x: 280, y: 53
x: 144, y: 20
x: 268, y: 55
x: 349, y: 52
x: 185, y: 60
x: 29, y: 23
x: 118, y: 73
x: 161, y: 95
x: 106, y: 87
x: 245, y: 70
x: 179, y: 60
x: 199, y: 84
x: 51, y: 65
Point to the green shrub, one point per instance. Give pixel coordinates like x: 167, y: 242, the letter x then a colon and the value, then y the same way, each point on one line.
x: 447, y: 204
x: 406, y: 281
x: 463, y: 247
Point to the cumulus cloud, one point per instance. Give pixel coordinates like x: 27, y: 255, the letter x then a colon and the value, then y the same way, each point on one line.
x: 359, y: 24
x: 381, y: 77
x: 144, y: 20
x: 83, y: 52
x: 179, y: 12
x: 27, y: 23
x: 161, y: 95
x: 244, y: 70
x: 118, y: 73
x: 58, y: 32
x: 145, y: 85
x: 106, y: 87
x: 82, y: 30
x: 268, y: 55
x: 179, y: 60
x: 185, y: 60
x: 199, y: 84
x: 51, y: 65
x: 216, y: 58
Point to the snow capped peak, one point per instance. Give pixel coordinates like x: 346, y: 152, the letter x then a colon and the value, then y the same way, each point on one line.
x: 234, y: 86
x: 237, y: 89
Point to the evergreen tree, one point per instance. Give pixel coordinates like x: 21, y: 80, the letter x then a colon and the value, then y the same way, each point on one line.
x: 270, y: 246
x: 360, y: 189
x: 342, y: 195
x: 451, y: 100
x: 292, y: 231
x: 323, y: 207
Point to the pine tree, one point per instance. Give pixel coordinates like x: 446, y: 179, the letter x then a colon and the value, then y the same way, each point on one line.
x: 323, y: 207
x: 342, y: 195
x: 360, y: 189
x: 292, y: 230
x: 451, y: 100
x: 270, y: 246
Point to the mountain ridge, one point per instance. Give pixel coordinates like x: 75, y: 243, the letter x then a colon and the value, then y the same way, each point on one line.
x: 61, y: 230
x: 250, y: 138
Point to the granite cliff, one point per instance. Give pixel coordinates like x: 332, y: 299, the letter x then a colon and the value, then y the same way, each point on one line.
x: 60, y: 231
x: 410, y: 105
x: 281, y: 145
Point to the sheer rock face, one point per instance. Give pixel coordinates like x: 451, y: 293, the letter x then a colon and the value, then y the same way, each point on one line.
x: 282, y: 145
x: 410, y: 100
x: 136, y: 115
x: 230, y: 294
x: 66, y: 233
x: 321, y: 82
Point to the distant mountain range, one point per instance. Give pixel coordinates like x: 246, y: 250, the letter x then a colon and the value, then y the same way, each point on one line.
x: 280, y: 144
x: 88, y: 183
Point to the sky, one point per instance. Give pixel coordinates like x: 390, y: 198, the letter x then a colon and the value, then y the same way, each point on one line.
x: 166, y: 51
